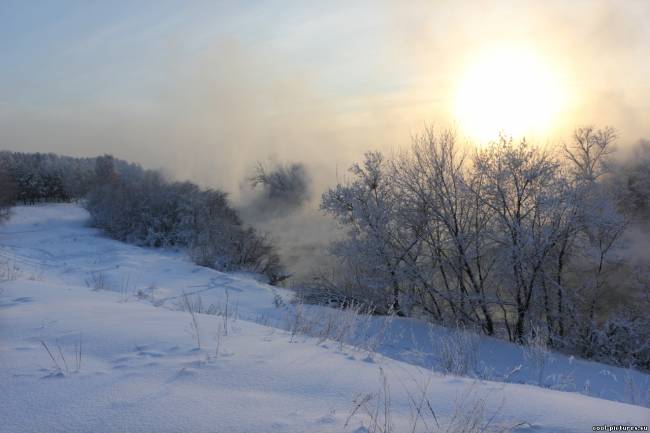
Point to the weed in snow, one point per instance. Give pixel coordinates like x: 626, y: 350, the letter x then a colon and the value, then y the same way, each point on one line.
x: 470, y: 415
x: 60, y: 364
x: 97, y: 281
x: 457, y: 351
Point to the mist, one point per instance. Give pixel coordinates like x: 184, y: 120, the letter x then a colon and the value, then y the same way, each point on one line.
x: 208, y: 91
x: 277, y: 191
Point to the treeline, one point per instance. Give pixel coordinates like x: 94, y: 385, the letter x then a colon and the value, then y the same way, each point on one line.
x: 142, y: 207
x: 30, y: 178
x: 510, y: 239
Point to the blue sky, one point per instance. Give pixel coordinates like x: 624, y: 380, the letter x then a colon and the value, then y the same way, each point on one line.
x: 55, y: 51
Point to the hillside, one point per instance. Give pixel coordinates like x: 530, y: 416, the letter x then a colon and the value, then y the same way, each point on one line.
x: 93, y: 339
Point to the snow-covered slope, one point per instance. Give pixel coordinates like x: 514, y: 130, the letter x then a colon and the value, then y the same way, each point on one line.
x: 141, y: 371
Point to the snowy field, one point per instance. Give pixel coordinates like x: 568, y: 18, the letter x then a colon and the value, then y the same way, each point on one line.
x: 93, y: 339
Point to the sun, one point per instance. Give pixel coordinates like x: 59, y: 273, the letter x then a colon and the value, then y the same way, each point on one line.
x: 510, y: 91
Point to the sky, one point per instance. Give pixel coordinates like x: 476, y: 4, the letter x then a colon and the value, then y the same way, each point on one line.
x: 206, y: 89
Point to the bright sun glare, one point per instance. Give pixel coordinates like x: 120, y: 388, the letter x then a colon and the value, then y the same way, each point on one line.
x: 509, y: 91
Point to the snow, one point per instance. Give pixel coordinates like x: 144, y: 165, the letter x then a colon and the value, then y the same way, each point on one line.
x: 141, y: 370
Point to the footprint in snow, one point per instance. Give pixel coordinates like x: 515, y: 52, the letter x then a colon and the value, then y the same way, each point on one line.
x: 16, y: 301
x: 327, y: 419
x: 196, y: 363
x: 122, y: 359
x: 183, y: 374
x: 151, y: 353
x: 528, y: 428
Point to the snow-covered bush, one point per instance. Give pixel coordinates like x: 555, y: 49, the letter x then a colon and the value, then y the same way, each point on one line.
x: 141, y: 206
x: 622, y: 339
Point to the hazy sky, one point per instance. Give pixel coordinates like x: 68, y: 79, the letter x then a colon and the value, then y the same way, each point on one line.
x: 204, y: 89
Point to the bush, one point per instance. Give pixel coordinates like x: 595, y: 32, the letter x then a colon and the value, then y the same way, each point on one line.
x: 142, y: 207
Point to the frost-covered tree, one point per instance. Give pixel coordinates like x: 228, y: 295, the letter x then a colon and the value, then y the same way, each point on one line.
x: 440, y: 197
x: 513, y: 239
x: 527, y: 197
x: 367, y: 207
